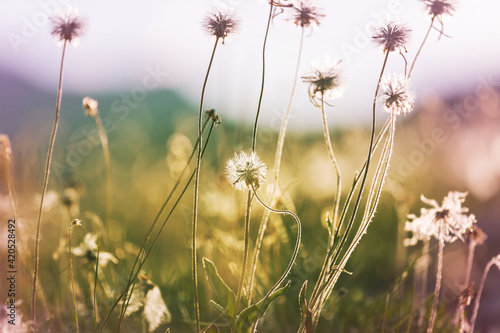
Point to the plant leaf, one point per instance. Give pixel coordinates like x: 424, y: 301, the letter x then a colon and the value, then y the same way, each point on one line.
x: 226, y: 296
x: 302, y: 299
x: 248, y: 316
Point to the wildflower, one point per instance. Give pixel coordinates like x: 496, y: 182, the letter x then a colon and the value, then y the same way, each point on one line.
x: 439, y: 8
x: 398, y: 96
x: 324, y: 80
x: 245, y: 171
x: 392, y: 36
x: 305, y: 13
x: 67, y: 27
x: 447, y: 222
x: 220, y: 22
x: 90, y: 107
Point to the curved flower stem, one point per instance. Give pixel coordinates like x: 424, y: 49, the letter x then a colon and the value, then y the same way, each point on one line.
x: 107, y: 162
x: 479, y: 292
x: 245, y: 259
x: 195, y: 201
x: 254, y: 135
x: 276, y: 171
x: 421, y: 46
x: 328, y: 143
x: 437, y: 289
x: 72, y: 279
x: 44, y: 188
x: 292, y: 260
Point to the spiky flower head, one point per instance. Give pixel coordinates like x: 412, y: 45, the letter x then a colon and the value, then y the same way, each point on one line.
x: 245, y: 171
x: 324, y: 80
x: 392, y: 36
x: 440, y: 8
x: 305, y: 13
x: 220, y: 22
x: 67, y: 27
x: 90, y: 106
x: 397, y: 96
x: 447, y: 222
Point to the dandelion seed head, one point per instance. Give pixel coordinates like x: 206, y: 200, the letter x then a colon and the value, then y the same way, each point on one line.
x: 245, y: 171
x: 220, y: 22
x: 397, y: 96
x: 90, y: 106
x: 392, y: 36
x: 440, y: 8
x: 305, y: 13
x: 324, y: 79
x: 67, y: 27
x: 448, y: 221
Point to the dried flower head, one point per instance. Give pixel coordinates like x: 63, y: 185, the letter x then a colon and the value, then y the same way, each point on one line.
x: 440, y: 8
x: 476, y: 235
x: 305, y: 13
x: 324, y: 80
x: 245, y: 171
x: 397, y: 96
x: 447, y: 222
x: 496, y: 261
x: 90, y: 106
x: 392, y: 36
x: 220, y: 22
x: 67, y: 27
x: 76, y: 223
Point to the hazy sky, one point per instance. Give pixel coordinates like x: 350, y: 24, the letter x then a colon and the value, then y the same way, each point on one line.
x: 124, y: 40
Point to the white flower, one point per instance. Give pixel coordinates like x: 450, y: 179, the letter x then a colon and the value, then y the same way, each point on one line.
x: 448, y: 222
x: 245, y: 171
x: 392, y: 36
x: 398, y: 98
x: 90, y: 106
x: 324, y: 80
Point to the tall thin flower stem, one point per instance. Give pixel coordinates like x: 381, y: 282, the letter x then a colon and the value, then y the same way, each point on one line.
x: 245, y: 258
x: 423, y: 284
x: 421, y: 47
x: 437, y: 289
x: 44, y: 188
x: 140, y: 257
x: 329, y: 148
x: 107, y: 162
x: 292, y: 260
x: 316, y: 292
x: 276, y: 171
x: 195, y: 200
x: 479, y: 292
x: 72, y: 279
x: 254, y: 135
x: 459, y: 313
x: 368, y: 159
x: 155, y: 240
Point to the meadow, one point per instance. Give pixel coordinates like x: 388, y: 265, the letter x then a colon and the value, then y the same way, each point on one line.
x: 161, y: 214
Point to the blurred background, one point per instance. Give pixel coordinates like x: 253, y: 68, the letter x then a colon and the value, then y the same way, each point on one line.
x: 145, y: 61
